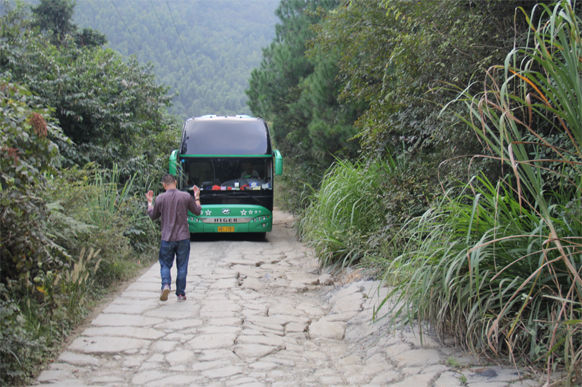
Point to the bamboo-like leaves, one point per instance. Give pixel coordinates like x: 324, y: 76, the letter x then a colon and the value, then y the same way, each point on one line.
x: 499, y: 267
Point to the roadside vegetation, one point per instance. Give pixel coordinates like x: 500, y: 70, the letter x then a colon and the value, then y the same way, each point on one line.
x: 83, y: 132
x: 438, y: 145
x: 459, y: 175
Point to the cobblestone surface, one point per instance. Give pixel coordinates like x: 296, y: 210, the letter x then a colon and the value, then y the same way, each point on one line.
x: 259, y: 314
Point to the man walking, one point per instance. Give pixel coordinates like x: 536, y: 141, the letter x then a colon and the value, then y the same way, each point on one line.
x: 172, y: 206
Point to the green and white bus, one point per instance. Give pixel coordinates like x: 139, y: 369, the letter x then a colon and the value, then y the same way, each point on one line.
x: 232, y: 161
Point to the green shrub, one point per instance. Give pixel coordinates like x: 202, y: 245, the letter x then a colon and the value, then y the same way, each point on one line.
x: 55, y: 223
x: 478, y: 267
x: 96, y: 211
x: 500, y: 266
x: 27, y: 156
x: 361, y: 205
x: 106, y: 234
x: 19, y: 350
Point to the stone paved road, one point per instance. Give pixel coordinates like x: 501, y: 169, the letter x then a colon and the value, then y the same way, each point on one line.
x: 257, y: 314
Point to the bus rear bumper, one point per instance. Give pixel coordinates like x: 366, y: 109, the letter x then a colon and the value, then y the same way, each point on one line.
x: 214, y: 223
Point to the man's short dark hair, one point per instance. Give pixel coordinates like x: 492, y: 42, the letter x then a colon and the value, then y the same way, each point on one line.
x: 168, y: 179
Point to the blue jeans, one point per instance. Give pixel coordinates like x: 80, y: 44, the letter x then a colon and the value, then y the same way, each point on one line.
x: 180, y: 249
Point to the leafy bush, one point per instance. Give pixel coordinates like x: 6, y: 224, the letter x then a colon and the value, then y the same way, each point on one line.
x: 96, y: 211
x: 19, y: 350
x: 499, y: 267
x: 25, y: 157
x: 56, y: 223
x: 68, y: 234
x: 104, y: 232
x: 104, y: 103
x: 361, y: 205
x: 478, y: 267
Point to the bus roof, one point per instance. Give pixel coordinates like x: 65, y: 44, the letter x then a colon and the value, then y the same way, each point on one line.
x: 225, y: 135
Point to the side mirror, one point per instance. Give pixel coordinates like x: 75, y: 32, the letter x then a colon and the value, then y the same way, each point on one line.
x: 173, y: 168
x: 278, y: 163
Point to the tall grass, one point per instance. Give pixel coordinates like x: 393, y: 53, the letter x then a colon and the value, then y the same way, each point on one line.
x: 121, y: 227
x: 499, y: 266
x: 360, y: 205
x: 345, y: 212
x: 101, y: 228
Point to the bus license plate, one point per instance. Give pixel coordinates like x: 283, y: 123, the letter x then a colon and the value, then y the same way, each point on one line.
x: 226, y: 229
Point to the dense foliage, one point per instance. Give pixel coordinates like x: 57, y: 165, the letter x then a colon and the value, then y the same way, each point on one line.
x: 499, y: 266
x: 53, y: 17
x: 491, y: 260
x: 204, y: 50
x: 295, y: 89
x: 360, y: 207
x: 72, y: 221
x: 105, y: 105
x: 440, y: 145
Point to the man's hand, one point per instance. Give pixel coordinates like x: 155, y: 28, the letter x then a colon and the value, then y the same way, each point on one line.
x: 150, y: 196
x: 196, y: 192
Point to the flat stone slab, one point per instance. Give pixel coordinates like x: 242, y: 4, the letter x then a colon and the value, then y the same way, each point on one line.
x: 138, y: 333
x: 267, y: 322
x: 418, y: 357
x: 141, y: 295
x: 52, y: 376
x: 352, y: 303
x: 209, y: 365
x: 225, y: 283
x: 220, y: 306
x: 264, y: 328
x: 147, y: 376
x: 235, y: 321
x: 179, y: 324
x: 180, y: 357
x: 222, y: 372
x: 212, y: 341
x: 117, y: 320
x: 78, y: 359
x: 285, y: 310
x: 255, y: 339
x: 107, y: 379
x: 254, y: 351
x: 106, y: 344
x: 189, y: 310
x: 345, y: 316
x: 327, y: 330
x: 252, y: 283
x: 147, y: 286
x: 222, y: 330
x: 179, y: 379
x: 129, y: 308
x: 163, y: 346
x: 217, y: 354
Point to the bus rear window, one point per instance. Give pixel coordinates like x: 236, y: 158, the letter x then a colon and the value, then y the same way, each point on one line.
x: 225, y: 136
x: 227, y: 174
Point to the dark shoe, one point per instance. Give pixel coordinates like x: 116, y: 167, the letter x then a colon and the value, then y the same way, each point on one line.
x: 181, y: 297
x: 165, y: 292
